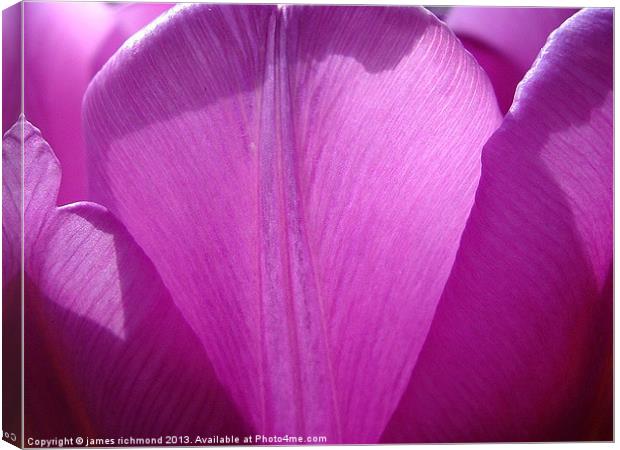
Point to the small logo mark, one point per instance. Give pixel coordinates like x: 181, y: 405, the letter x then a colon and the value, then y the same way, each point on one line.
x: 10, y: 436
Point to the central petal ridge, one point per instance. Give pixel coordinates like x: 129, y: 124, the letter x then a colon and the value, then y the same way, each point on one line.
x: 298, y: 384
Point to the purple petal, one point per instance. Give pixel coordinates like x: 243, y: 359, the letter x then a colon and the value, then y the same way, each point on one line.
x: 520, y: 345
x: 107, y: 351
x: 11, y: 208
x: 505, y: 41
x: 389, y: 116
x: 300, y: 177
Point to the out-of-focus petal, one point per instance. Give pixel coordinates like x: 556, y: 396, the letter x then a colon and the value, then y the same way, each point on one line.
x: 11, y: 66
x: 125, y: 21
x: 301, y: 179
x: 505, y: 41
x: 107, y: 352
x: 502, y: 71
x: 65, y: 44
x: 518, y: 33
x: 59, y: 44
x: 520, y: 342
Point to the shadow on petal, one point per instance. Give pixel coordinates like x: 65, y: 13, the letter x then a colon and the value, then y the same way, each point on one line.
x: 523, y: 330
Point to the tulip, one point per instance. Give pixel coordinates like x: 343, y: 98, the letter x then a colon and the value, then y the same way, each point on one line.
x: 315, y: 221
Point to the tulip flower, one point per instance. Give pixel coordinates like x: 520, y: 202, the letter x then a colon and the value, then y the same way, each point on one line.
x: 317, y: 222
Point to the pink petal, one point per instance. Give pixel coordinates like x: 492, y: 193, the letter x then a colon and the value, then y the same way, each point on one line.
x: 65, y: 45
x: 300, y: 178
x: 107, y: 351
x: 11, y: 209
x: 505, y: 41
x: 521, y: 339
x: 11, y: 67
